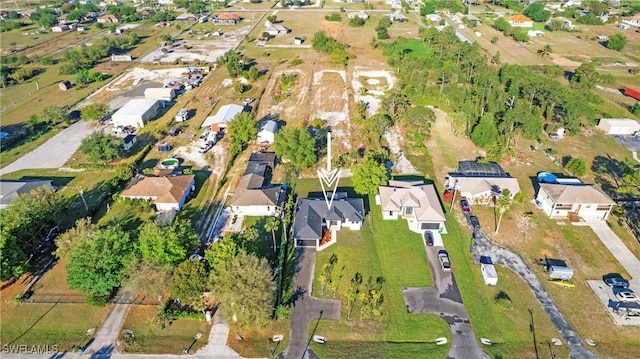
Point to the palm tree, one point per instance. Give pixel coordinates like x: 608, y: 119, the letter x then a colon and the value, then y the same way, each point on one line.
x: 272, y: 224
x: 503, y: 202
x: 545, y: 51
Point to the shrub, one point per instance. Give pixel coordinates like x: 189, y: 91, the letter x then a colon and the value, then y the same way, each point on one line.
x: 503, y: 300
x: 96, y: 300
x: 333, y: 17
x: 356, y: 22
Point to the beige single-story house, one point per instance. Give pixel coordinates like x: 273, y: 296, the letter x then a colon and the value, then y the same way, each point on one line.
x: 414, y: 201
x: 573, y: 201
x: 167, y: 193
x: 480, y: 182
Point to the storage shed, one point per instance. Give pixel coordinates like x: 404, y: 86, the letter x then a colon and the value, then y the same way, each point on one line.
x: 619, y: 126
x: 225, y: 115
x: 267, y: 132
x: 64, y: 85
x: 558, y: 269
x: 489, y: 274
x: 182, y: 115
x: 160, y: 93
x: 135, y: 113
x: 129, y: 141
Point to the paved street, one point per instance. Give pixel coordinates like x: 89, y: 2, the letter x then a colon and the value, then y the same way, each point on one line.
x: 444, y: 299
x: 484, y: 247
x: 305, y: 307
x: 55, y: 152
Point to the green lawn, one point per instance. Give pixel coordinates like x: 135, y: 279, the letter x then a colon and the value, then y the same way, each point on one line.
x: 387, y: 249
x: 64, y: 325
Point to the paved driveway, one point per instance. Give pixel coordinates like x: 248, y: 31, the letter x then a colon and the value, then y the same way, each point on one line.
x: 484, y: 247
x: 55, y: 152
x: 305, y: 307
x: 444, y: 299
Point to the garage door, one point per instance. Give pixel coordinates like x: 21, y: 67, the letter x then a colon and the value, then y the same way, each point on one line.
x: 435, y: 226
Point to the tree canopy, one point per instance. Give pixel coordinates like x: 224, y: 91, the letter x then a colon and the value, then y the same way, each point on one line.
x: 576, y: 166
x: 537, y: 12
x: 94, y: 112
x: 296, y: 147
x: 242, y: 129
x: 100, y: 147
x: 244, y: 287
x: 167, y: 244
x: 98, y: 264
x: 189, y: 283
x: 617, y: 42
x: 368, y: 175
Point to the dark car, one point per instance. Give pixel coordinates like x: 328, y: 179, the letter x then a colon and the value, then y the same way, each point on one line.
x: 475, y: 223
x: 428, y: 237
x: 466, y: 208
x: 617, y: 282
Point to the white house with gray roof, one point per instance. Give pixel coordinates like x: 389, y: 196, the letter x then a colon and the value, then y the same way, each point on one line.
x: 480, y: 182
x: 11, y: 190
x: 414, y: 201
x: 571, y: 200
x: 316, y: 226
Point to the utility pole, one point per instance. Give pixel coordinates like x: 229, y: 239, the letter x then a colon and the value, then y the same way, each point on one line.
x: 532, y: 328
x: 86, y: 207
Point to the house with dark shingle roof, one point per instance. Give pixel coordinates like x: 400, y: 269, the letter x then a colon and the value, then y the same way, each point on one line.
x: 254, y: 195
x: 10, y: 190
x: 414, y: 201
x: 316, y: 226
x: 167, y: 193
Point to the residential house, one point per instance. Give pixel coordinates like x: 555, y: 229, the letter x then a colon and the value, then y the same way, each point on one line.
x: 254, y: 195
x: 267, y: 133
x: 359, y: 14
x: 395, y: 4
x: 10, y: 190
x: 396, y: 16
x: 480, y: 183
x: 632, y: 20
x: 186, y: 17
x: 225, y: 19
x: 554, y: 6
x: 315, y: 225
x: 60, y: 28
x: 275, y: 29
x: 108, y: 19
x: 433, y: 18
x: 167, y: 193
x: 573, y: 201
x: 519, y: 21
x: 414, y: 201
x: 224, y: 115
x: 135, y: 113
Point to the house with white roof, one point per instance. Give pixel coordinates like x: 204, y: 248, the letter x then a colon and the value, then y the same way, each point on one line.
x: 414, y: 201
x: 480, y: 183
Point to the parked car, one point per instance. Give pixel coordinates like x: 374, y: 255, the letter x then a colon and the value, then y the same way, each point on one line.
x: 475, y: 222
x: 627, y: 295
x: 617, y: 282
x: 428, y: 237
x: 466, y: 208
x: 206, y: 147
x: 247, y: 101
x: 443, y: 256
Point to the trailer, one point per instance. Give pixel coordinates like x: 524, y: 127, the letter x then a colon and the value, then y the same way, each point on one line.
x: 558, y: 269
x: 489, y: 274
x: 631, y: 92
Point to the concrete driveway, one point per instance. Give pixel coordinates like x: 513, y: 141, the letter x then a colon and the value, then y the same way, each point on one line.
x: 55, y: 152
x: 444, y: 299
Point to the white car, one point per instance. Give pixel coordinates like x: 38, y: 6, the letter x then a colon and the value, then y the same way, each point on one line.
x: 627, y: 295
x: 247, y: 101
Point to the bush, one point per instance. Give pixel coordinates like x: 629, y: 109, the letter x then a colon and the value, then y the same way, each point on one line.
x: 96, y: 300
x: 356, y: 22
x: 283, y: 312
x: 503, y: 300
x: 617, y: 42
x: 333, y: 17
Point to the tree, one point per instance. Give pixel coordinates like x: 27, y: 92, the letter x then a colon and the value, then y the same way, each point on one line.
x: 429, y: 7
x: 101, y: 147
x: 537, y: 12
x: 53, y: 114
x: 197, y: 7
x: 244, y: 287
x: 395, y: 102
x: 368, y: 176
x: 356, y: 22
x: 189, y: 283
x: 94, y: 112
x: 272, y: 224
x: 418, y: 119
x: 148, y: 278
x: 496, y: 58
x: 629, y: 180
x: 545, y: 51
x: 382, y: 33
x: 167, y: 244
x: 242, y: 129
x: 503, y: 202
x: 598, y: 7
x: 556, y: 25
x: 585, y: 76
x: 47, y: 20
x: 485, y: 132
x: 296, y: 147
x: 69, y: 239
x: 576, y: 166
x: 98, y: 264
x: 617, y: 42
x: 272, y: 18
x: 222, y: 252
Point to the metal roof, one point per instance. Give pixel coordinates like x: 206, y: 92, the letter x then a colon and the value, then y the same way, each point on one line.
x: 473, y: 168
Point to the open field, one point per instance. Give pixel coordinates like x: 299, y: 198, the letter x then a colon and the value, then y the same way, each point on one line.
x: 173, y: 339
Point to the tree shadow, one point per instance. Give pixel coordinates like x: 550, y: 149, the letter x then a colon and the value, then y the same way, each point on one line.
x: 606, y: 173
x: 33, y: 325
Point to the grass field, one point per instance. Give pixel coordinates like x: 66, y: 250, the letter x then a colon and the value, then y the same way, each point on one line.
x: 173, y: 339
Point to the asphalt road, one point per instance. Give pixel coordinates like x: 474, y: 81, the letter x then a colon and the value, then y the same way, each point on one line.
x: 305, y: 307
x: 444, y: 299
x: 55, y: 152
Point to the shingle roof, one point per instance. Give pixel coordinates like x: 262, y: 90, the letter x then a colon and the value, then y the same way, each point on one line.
x: 227, y: 16
x: 10, y: 190
x: 570, y: 194
x: 414, y: 194
x: 160, y: 189
x: 310, y: 212
x: 271, y: 196
x: 517, y: 18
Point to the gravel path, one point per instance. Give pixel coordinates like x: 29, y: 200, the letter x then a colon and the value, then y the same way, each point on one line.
x: 402, y: 164
x: 484, y: 247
